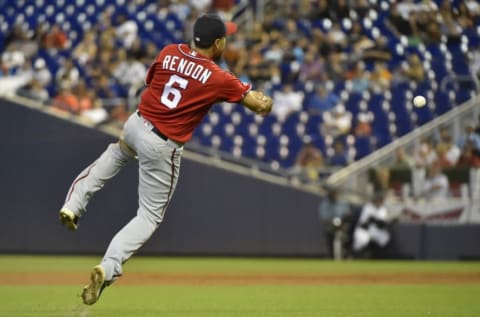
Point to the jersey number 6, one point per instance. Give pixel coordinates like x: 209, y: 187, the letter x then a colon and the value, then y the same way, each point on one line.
x: 171, y: 96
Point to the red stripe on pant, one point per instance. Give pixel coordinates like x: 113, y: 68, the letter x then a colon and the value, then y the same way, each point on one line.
x: 79, y: 178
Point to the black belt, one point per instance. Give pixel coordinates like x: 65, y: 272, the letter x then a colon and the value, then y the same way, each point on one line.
x: 157, y: 132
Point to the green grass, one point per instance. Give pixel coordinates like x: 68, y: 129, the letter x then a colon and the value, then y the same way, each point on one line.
x: 246, y: 300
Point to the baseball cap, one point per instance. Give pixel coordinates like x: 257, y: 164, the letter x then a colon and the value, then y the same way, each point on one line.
x: 209, y: 27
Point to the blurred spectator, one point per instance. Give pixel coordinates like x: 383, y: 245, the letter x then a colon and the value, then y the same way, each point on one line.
x: 320, y: 11
x: 65, y: 100
x: 412, y: 69
x: 20, y: 39
x: 464, y: 16
x: 323, y: 100
x: 107, y: 40
x: 398, y: 24
x: 85, y: 97
x: 34, y: 90
x: 335, y: 215
x: 86, y: 50
x: 16, y: 34
x: 242, y: 74
x: 449, y: 26
x: 3, y: 69
x: 340, y: 10
x: 430, y: 31
x: 17, y: 71
x: 104, y: 20
x: 336, y: 66
x: 380, y: 51
x: 55, y: 38
x: 360, y: 78
x: 76, y: 100
x: 309, y: 155
x: 473, y: 6
x: 312, y: 68
x: 436, y: 186
x: 126, y: 30
x: 119, y: 114
x: 181, y: 8
x: 121, y: 66
x: 105, y: 87
x: 361, y: 8
x: 224, y: 7
x: 442, y: 159
x: 450, y: 151
x: 337, y: 122
x: 200, y: 5
x: 340, y: 155
x: 188, y: 25
x: 363, y: 127
x: 468, y: 158
x: 402, y: 159
x: 104, y: 63
x: 359, y: 41
x: 138, y: 50
x: 337, y: 37
x: 151, y: 51
x: 372, y: 232
x: 292, y: 33
x: 424, y: 153
x: 381, y: 77
x: 470, y: 137
x: 274, y: 53
x: 232, y: 54
x: 286, y: 101
x: 41, y: 72
x: 68, y: 74
x: 309, y: 159
x: 12, y: 59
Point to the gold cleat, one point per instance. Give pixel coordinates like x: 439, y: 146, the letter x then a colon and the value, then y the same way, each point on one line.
x: 69, y: 219
x: 91, y: 292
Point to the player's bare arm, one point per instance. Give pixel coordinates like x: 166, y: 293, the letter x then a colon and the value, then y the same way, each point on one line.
x: 258, y: 102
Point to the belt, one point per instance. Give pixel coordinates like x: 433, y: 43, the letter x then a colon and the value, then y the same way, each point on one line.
x: 157, y: 132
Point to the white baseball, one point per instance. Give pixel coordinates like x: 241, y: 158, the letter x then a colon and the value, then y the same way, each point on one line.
x: 419, y: 101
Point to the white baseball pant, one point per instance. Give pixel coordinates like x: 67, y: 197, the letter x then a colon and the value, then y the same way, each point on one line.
x: 159, y: 166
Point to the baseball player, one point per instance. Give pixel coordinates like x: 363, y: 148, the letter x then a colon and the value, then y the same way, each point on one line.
x: 181, y: 85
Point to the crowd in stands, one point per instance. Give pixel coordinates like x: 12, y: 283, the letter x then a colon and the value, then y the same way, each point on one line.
x: 300, y: 53
x: 96, y: 72
x: 444, y: 151
x: 430, y: 159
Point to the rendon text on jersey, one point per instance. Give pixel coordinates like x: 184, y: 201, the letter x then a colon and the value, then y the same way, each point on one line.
x: 186, y: 67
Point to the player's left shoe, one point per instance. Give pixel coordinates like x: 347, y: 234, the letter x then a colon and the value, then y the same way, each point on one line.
x: 69, y: 219
x: 91, y: 292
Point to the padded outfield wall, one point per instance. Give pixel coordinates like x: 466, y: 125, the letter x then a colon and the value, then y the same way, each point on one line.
x: 213, y: 212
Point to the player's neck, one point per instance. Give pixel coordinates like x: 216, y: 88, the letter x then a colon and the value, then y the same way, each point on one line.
x: 205, y: 52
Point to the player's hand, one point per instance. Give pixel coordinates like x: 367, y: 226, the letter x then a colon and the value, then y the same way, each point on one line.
x: 262, y: 103
x: 267, y: 105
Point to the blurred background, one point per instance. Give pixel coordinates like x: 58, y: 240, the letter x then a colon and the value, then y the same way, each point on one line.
x: 345, y: 166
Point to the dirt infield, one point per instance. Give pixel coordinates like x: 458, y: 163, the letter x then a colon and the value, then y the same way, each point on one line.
x: 133, y: 278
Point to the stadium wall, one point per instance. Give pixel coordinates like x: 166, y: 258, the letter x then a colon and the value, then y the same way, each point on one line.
x: 213, y: 212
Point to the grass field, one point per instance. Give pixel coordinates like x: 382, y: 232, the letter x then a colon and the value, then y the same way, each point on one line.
x: 50, y: 286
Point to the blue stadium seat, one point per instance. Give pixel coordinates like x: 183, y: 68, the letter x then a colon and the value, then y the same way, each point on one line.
x: 363, y: 147
x: 445, y: 60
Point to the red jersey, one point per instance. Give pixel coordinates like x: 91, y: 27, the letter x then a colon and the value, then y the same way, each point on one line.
x: 182, y: 85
